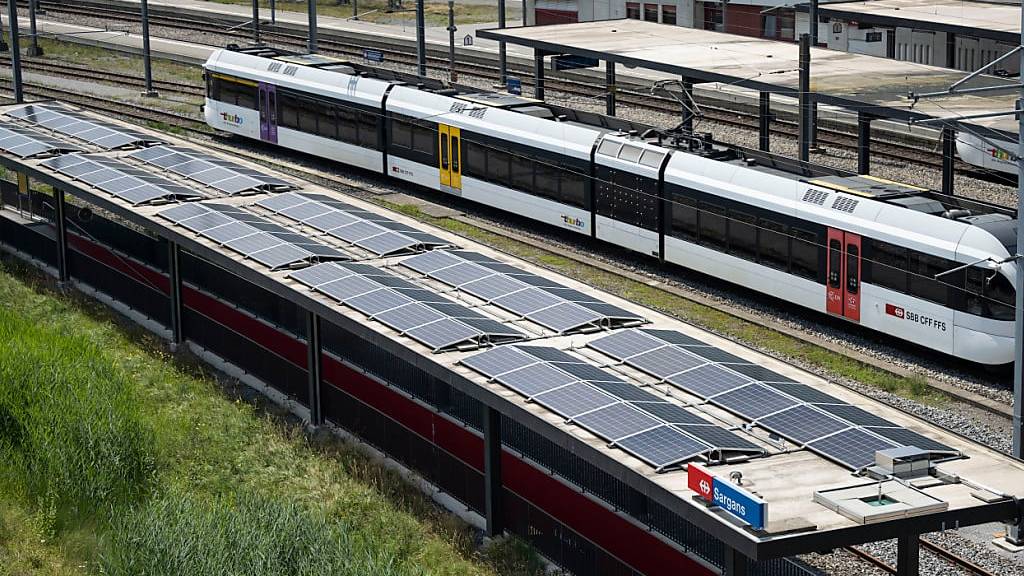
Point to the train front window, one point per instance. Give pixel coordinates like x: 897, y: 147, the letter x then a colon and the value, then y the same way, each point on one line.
x: 1000, y: 297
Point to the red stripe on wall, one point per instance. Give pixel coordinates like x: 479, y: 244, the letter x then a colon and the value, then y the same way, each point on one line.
x: 139, y: 272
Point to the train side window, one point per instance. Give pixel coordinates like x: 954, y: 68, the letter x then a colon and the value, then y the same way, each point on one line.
x: 368, y: 134
x: 835, y: 262
x: 742, y: 235
x: 974, y: 291
x: 289, y: 117
x: 888, y: 266
x: 1001, y: 297
x: 714, y: 226
x: 684, y: 217
x: 923, y: 268
x: 327, y: 122
x: 245, y: 96
x: 348, y: 131
x: 401, y: 134
x: 522, y: 173
x: 804, y: 254
x: 476, y: 160
x: 573, y: 187
x: 648, y: 203
x: 773, y: 244
x: 212, y: 87
x: 547, y: 180
x: 497, y: 166
x: 424, y: 140
x: 307, y: 117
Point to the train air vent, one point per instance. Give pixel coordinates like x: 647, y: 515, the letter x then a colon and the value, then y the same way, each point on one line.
x: 478, y: 113
x: 290, y: 70
x: 457, y: 107
x: 274, y: 67
x: 815, y: 196
x: 844, y: 204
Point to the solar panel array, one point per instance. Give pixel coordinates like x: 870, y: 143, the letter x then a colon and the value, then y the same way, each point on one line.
x: 27, y: 143
x: 250, y: 235
x: 228, y: 177
x: 821, y: 422
x: 420, y: 314
x: 363, y: 228
x: 59, y: 118
x: 539, y: 299
x: 654, y: 430
x: 119, y: 179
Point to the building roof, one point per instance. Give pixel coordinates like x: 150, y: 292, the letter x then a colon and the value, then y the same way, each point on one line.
x: 786, y: 475
x: 878, y: 86
x: 998, y: 21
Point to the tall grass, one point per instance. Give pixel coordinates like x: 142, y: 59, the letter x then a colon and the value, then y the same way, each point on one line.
x: 237, y: 535
x: 72, y: 440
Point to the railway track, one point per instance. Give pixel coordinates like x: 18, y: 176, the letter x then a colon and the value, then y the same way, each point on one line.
x: 74, y: 72
x: 948, y: 556
x: 837, y: 138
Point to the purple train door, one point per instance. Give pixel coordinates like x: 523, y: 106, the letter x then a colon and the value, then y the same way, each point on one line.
x: 268, y: 113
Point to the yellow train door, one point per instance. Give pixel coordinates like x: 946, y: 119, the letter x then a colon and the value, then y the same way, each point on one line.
x: 449, y: 157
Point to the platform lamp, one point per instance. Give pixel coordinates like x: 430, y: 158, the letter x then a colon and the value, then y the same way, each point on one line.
x: 421, y: 41
x: 12, y: 24
x: 34, y: 49
x: 147, y: 61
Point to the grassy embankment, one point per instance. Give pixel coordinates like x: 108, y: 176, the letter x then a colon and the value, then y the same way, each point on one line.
x: 435, y: 12
x: 117, y: 459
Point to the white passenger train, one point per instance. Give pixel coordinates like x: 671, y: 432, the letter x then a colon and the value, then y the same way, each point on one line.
x: 987, y: 153
x: 856, y: 247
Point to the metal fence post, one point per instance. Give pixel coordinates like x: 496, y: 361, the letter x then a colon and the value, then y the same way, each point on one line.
x: 312, y: 25
x: 34, y: 49
x: 421, y: 41
x: 147, y: 58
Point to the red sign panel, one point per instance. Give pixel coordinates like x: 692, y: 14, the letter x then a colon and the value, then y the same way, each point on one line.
x: 894, y: 310
x: 700, y: 481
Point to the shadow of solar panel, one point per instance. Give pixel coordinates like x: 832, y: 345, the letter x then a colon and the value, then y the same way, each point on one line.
x: 348, y: 287
x: 905, y: 437
x: 550, y: 354
x: 392, y: 281
x: 854, y: 415
x: 535, y: 280
x: 409, y: 316
x: 373, y: 303
x: 444, y: 333
x: 708, y: 380
x: 663, y: 446
x: 753, y: 401
x: 611, y: 311
x: 430, y: 261
x: 320, y: 251
x: 421, y: 237
x: 665, y: 361
x: 320, y: 274
x: 625, y: 391
x: 803, y: 392
x: 720, y: 438
x: 616, y: 421
x: 761, y: 373
x: 622, y: 345
x: 672, y: 337
x: 712, y: 354
x: 802, y: 424
x: 449, y: 308
x: 419, y: 294
x: 498, y: 361
x: 475, y: 257
x: 535, y: 379
x: 574, y: 400
x: 853, y: 448
x: 584, y: 371
x: 670, y: 413
x: 492, y: 328
x: 571, y: 295
x: 279, y: 256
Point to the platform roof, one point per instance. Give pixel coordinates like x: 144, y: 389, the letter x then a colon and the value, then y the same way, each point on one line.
x: 786, y: 476
x: 994, y: 20
x: 877, y: 86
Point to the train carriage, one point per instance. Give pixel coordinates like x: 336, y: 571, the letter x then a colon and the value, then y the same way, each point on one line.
x: 922, y: 267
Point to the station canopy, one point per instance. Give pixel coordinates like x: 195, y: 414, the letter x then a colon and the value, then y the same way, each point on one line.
x: 856, y: 82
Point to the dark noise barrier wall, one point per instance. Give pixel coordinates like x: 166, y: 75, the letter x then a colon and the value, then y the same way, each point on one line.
x: 562, y: 505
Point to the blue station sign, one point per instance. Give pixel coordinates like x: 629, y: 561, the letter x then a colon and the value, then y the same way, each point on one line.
x: 728, y: 496
x: 514, y: 86
x: 373, y: 55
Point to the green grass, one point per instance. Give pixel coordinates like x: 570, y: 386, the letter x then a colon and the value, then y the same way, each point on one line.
x: 116, y: 458
x: 435, y: 12
x: 831, y: 363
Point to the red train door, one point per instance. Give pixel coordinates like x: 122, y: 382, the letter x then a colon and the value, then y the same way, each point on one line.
x: 842, y: 286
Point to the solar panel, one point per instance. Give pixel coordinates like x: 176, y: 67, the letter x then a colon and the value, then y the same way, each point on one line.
x: 802, y: 392
x: 665, y: 361
x: 854, y: 448
x: 671, y: 413
x: 753, y: 401
x: 224, y: 175
x: 536, y: 298
x: 673, y: 337
x: 622, y: 345
x: 358, y: 227
x: 617, y: 421
x: 26, y: 143
x: 721, y: 438
x: 625, y: 391
x: 761, y: 373
x: 575, y: 401
x: 905, y: 437
x: 550, y: 354
x: 663, y: 446
x: 854, y: 414
x: 802, y: 424
x: 249, y: 235
x: 439, y: 323
x: 64, y: 120
x: 120, y: 180
x: 536, y: 378
x: 708, y: 380
x: 498, y: 361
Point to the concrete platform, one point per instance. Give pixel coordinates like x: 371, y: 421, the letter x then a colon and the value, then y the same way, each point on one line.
x: 972, y: 18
